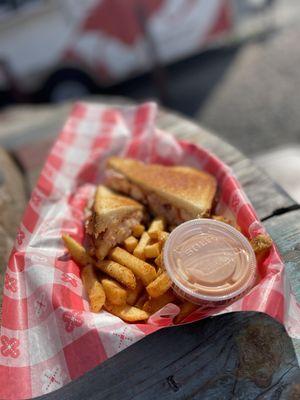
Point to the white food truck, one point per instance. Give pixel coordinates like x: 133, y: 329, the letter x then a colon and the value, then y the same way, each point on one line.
x: 67, y: 46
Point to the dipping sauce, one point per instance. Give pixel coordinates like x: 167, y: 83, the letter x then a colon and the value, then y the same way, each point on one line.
x: 209, y: 261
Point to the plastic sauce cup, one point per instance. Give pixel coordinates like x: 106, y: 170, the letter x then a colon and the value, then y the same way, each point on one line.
x: 209, y: 262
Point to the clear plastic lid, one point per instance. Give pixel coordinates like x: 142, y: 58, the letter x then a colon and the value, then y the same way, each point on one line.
x: 208, y: 260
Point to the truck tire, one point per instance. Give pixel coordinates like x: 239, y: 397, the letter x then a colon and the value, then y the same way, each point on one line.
x: 68, y: 84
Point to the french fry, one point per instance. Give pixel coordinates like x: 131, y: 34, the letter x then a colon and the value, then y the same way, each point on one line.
x: 261, y: 243
x: 185, y: 309
x: 162, y: 237
x: 133, y: 295
x: 138, y: 230
x: 157, y: 225
x: 159, y: 286
x: 77, y: 252
x: 152, y: 250
x: 140, y: 248
x: 140, y: 268
x: 158, y: 261
x: 153, y: 305
x: 130, y: 243
x: 120, y: 273
x: 127, y: 313
x: 159, y: 271
x: 141, y: 300
x: 114, y: 292
x: 93, y: 288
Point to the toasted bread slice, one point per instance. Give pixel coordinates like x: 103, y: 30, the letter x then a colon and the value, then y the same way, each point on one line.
x: 112, y: 220
x: 109, y: 206
x: 177, y: 193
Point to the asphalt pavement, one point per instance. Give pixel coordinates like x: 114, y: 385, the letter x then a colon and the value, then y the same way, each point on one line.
x: 256, y: 106
x: 248, y: 93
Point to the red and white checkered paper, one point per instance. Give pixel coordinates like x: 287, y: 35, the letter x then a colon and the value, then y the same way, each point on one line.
x: 48, y: 335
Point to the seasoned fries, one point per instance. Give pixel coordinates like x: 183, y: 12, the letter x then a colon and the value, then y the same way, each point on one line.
x: 162, y: 237
x: 140, y: 248
x: 158, y: 261
x: 130, y: 243
x: 93, y: 288
x: 122, y: 274
x: 138, y: 230
x: 261, y: 243
x: 185, y: 309
x: 126, y: 285
x: 127, y: 313
x: 133, y: 295
x: 157, y: 225
x: 114, y: 292
x: 152, y: 250
x: 153, y: 305
x: 159, y: 286
x: 77, y: 252
x: 141, y: 269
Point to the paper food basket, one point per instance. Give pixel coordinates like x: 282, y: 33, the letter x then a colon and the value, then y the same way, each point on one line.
x: 48, y: 335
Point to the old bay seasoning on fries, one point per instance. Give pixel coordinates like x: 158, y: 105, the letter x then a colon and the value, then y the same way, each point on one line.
x: 127, y: 283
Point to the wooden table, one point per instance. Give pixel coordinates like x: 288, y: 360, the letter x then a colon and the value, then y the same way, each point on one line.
x: 234, y: 356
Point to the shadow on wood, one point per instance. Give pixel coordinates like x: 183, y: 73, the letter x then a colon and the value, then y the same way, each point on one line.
x: 243, y: 355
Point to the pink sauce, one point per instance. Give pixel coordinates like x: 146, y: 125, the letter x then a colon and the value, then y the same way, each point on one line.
x: 209, y: 260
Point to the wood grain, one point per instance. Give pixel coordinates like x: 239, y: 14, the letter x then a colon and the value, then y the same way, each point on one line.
x: 12, y: 204
x: 285, y: 230
x: 234, y: 356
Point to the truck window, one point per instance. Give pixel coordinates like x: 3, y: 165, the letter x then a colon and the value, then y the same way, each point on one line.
x: 9, y: 5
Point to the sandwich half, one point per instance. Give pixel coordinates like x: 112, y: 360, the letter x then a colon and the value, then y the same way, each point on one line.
x: 112, y: 219
x: 177, y: 193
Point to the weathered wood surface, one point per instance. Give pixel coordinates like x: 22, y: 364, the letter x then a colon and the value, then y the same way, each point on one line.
x: 285, y: 230
x: 12, y: 203
x: 235, y: 356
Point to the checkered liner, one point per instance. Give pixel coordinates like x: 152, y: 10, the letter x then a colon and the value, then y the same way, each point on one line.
x: 48, y: 335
